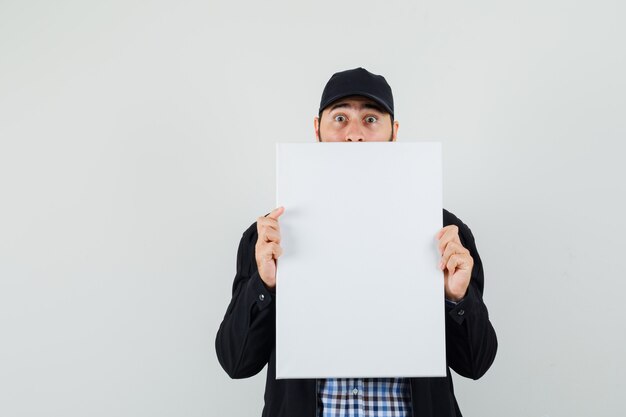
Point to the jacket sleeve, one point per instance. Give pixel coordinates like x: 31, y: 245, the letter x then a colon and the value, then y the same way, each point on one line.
x: 471, y: 342
x: 246, y: 336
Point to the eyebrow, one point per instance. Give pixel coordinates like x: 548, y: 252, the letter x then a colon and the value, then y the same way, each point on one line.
x: 366, y: 105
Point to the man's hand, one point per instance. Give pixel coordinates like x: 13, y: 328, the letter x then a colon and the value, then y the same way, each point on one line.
x: 456, y: 263
x: 267, y: 249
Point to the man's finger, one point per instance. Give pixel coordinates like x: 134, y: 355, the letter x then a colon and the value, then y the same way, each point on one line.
x: 446, y: 228
x: 458, y: 261
x: 448, y: 234
x: 451, y: 232
x: 273, y: 250
x: 275, y: 214
x: 446, y: 239
x: 277, y: 250
x: 272, y: 236
x: 452, y: 263
x: 265, y: 223
x: 451, y: 249
x: 269, y: 251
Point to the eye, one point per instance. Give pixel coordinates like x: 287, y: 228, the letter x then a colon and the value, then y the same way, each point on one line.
x: 340, y: 118
x: 371, y: 119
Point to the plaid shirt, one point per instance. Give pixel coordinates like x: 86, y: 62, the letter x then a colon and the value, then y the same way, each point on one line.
x: 364, y: 397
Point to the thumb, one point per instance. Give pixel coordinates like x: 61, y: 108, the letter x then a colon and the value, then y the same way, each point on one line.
x: 275, y: 214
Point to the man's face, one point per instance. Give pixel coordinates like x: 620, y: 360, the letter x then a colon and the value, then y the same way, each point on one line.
x: 355, y: 119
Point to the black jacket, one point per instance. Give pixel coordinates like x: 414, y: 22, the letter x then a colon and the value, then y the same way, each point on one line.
x: 245, y: 341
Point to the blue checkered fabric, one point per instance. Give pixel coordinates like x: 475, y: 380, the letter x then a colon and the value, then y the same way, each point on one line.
x: 364, y: 397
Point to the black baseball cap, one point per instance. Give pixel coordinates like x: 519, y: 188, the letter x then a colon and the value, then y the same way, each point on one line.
x: 357, y: 82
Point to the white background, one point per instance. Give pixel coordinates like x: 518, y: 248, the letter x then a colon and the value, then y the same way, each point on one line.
x: 137, y: 144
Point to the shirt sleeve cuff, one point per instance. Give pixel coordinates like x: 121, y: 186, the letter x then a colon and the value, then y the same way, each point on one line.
x: 261, y: 295
x: 459, y: 310
x: 451, y: 303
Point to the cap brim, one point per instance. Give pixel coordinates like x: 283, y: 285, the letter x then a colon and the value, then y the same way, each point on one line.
x: 356, y: 93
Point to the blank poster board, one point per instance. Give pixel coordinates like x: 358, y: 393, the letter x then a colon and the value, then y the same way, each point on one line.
x: 359, y: 292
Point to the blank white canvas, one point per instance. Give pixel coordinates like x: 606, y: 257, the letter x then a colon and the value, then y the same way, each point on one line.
x: 359, y: 292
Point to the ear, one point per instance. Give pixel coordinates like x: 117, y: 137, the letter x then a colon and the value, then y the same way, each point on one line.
x: 316, y: 126
x: 394, y: 133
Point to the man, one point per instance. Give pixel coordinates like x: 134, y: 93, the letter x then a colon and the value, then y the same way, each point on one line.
x: 356, y: 106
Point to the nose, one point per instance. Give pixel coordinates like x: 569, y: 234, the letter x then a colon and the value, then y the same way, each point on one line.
x: 354, y: 133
